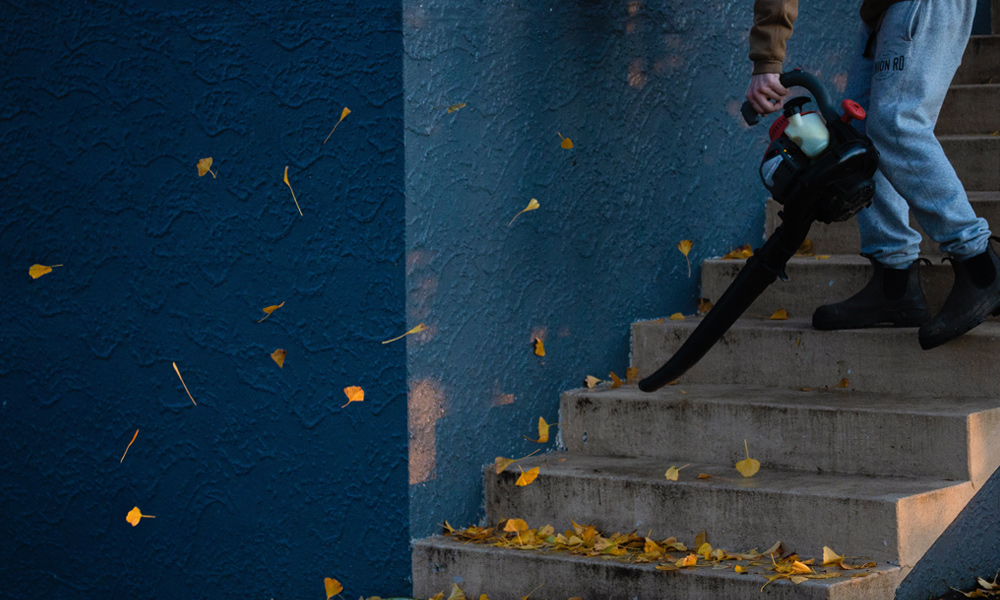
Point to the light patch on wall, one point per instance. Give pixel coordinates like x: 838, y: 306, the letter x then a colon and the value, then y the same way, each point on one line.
x: 539, y: 333
x: 500, y: 398
x: 840, y: 82
x: 426, y: 405
x: 636, y: 74
x: 633, y: 7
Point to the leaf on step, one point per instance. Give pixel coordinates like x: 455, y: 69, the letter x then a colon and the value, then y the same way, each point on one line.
x: 831, y: 558
x: 843, y: 383
x: 739, y: 569
x: 806, y: 249
x: 780, y: 315
x: 527, y: 477
x: 749, y: 466
x: 631, y: 375
x: 590, y: 381
x: 674, y: 472
x: 799, y: 567
x: 677, y: 317
x: 704, y: 476
x: 516, y: 525
x: 666, y: 568
x: 700, y: 539
x: 456, y: 593
x: 616, y: 381
x: 501, y: 464
x: 744, y: 251
x: 705, y: 549
x: 704, y: 305
x: 822, y: 256
x: 691, y: 560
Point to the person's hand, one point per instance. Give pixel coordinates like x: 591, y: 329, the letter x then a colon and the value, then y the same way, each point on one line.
x: 766, y: 94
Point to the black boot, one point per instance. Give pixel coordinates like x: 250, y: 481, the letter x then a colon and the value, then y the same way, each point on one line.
x: 892, y: 297
x: 974, y: 295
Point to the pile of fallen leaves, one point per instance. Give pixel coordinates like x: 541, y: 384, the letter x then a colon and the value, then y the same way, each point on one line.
x: 668, y: 554
x: 986, y: 589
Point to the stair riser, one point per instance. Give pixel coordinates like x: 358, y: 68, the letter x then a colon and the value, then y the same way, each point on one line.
x: 793, y: 355
x: 981, y: 60
x: 964, y: 110
x: 785, y: 437
x: 976, y: 161
x: 813, y: 283
x: 843, y: 237
x: 740, y: 519
x: 512, y: 575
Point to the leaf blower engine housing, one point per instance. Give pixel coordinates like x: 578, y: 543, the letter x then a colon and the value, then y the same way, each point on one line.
x: 836, y: 178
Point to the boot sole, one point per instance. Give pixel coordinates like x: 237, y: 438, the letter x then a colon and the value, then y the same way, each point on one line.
x: 928, y: 343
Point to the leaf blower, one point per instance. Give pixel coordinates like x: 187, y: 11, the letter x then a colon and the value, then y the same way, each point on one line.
x: 819, y: 168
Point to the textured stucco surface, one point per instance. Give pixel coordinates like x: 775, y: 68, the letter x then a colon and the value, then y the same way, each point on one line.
x: 268, y: 485
x: 649, y: 92
x: 969, y: 548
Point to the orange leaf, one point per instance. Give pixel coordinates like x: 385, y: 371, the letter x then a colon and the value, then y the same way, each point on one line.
x: 293, y: 191
x: 677, y: 317
x: 539, y: 347
x: 631, y: 374
x: 543, y: 432
x: 744, y: 251
x: 616, y: 381
x: 416, y: 329
x: 843, y: 383
x: 184, y: 384
x: 515, y: 526
x: 270, y: 309
x: 278, y: 356
x: 690, y: 560
x: 135, y: 435
x: 343, y: 114
x: 527, y: 477
x: 333, y: 587
x: 780, y: 315
x: 37, y: 271
x: 567, y: 144
x: 205, y: 166
x: 134, y: 515
x: 590, y: 381
x: 354, y: 394
x: 704, y: 305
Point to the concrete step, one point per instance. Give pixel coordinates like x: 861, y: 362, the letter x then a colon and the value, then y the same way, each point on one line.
x: 976, y: 159
x: 886, y: 519
x: 970, y: 109
x: 813, y: 282
x: 511, y: 574
x: 981, y: 62
x: 842, y: 238
x: 791, y: 354
x: 826, y: 431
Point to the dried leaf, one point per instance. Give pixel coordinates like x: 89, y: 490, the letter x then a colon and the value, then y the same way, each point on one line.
x: 631, y: 375
x: 705, y: 549
x: 278, y: 356
x: 677, y: 317
x: 674, y: 472
x: 780, y: 315
x: 532, y: 205
x: 691, y: 560
x: 500, y: 464
x: 704, y: 305
x: 748, y: 467
x: 343, y: 114
x: 135, y: 435
x: 744, y: 251
x: 292, y: 191
x: 616, y: 381
x: 178, y: 371
x: 704, y: 476
x: 700, y: 538
x: 333, y: 587
x: 205, y: 166
x: 37, y: 271
x: 516, y: 526
x: 685, y: 247
x: 270, y: 309
x: 416, y: 329
x: 806, y: 249
x: 777, y: 548
x: 822, y: 256
x: 354, y: 394
x: 843, y: 383
x: 543, y: 432
x: 134, y: 515
x: 830, y: 557
x: 456, y: 593
x: 740, y: 569
x: 800, y: 568
x: 539, y: 347
x: 567, y: 144
x: 527, y: 477
x: 590, y: 381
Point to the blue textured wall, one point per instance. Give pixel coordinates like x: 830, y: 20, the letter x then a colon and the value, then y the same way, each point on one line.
x: 268, y: 485
x: 649, y: 92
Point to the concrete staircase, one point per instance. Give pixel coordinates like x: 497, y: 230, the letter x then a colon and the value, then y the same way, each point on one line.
x: 877, y: 469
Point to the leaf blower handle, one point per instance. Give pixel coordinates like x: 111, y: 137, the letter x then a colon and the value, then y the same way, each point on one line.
x: 800, y: 78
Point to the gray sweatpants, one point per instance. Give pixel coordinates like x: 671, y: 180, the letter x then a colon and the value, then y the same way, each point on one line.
x: 916, y: 52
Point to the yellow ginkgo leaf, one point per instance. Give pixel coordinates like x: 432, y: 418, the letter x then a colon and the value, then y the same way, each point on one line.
x: 800, y: 568
x: 616, y: 381
x: 178, y: 371
x: 279, y: 357
x: 830, y: 557
x: 134, y: 515
x: 343, y: 114
x: 135, y: 435
x: 700, y: 538
x: 205, y: 166
x: 590, y: 381
x: 532, y: 205
x: 354, y: 394
x: 515, y: 526
x: 806, y: 249
x: 749, y: 466
x: 822, y: 256
x: 674, y: 472
x: 539, y: 347
x: 270, y: 309
x: 685, y: 247
x: 704, y: 476
x: 744, y: 251
x: 500, y: 464
x: 780, y: 315
x: 527, y: 477
x: 288, y: 183
x: 543, y: 432
x: 631, y: 375
x: 705, y: 549
x: 37, y: 271
x: 333, y: 587
x: 452, y: 108
x: 843, y: 383
x: 691, y: 560
x: 566, y: 144
x: 677, y: 317
x: 456, y: 593
x: 416, y: 329
x: 739, y: 569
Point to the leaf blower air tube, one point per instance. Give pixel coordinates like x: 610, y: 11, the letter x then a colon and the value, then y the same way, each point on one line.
x: 832, y: 184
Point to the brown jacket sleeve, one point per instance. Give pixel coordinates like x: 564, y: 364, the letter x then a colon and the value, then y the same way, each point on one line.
x: 772, y: 26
